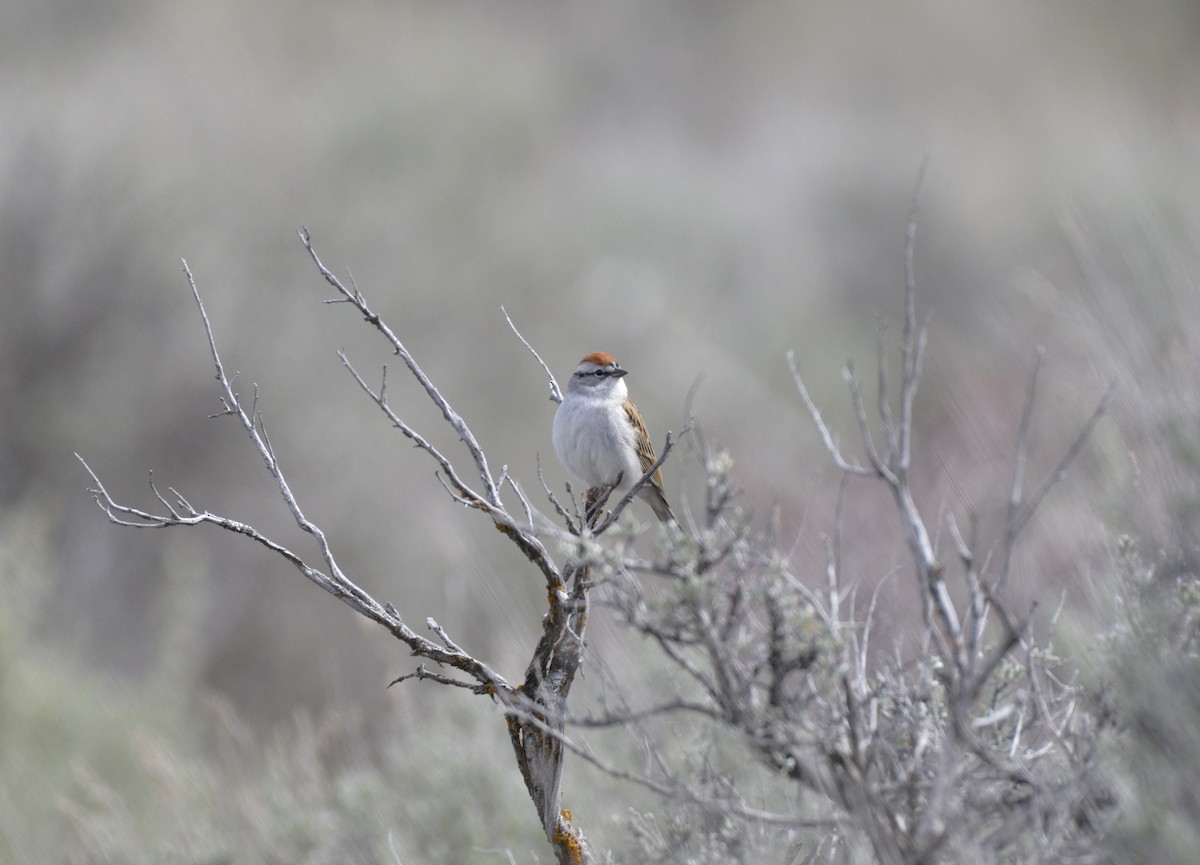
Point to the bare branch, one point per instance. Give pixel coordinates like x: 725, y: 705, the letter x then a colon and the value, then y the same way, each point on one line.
x: 423, y: 673
x: 864, y: 426
x: 355, y: 297
x: 908, y: 395
x: 331, y: 579
x: 913, y: 344
x: 555, y: 393
x: 527, y: 541
x: 1060, y: 470
x: 1014, y: 498
x: 572, y: 525
x: 910, y: 270
x: 468, y: 495
x: 1014, y: 631
x: 445, y: 638
x: 1018, y: 514
x: 344, y: 584
x: 885, y: 408
x: 337, y: 586
x: 516, y: 488
x: 615, y: 513
x: 630, y: 716
x: 153, y: 489
x: 822, y: 427
x: 960, y: 545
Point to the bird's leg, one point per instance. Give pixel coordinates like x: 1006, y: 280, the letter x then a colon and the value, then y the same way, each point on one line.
x: 593, y: 504
x: 597, y: 498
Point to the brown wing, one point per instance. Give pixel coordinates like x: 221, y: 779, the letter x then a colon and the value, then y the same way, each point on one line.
x: 656, y: 497
x: 644, y: 447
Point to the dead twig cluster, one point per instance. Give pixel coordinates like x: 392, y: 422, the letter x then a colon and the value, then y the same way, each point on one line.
x: 536, y: 707
x: 978, y: 748
x: 981, y: 747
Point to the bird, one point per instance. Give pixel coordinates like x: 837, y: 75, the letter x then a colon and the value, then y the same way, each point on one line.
x: 600, y: 437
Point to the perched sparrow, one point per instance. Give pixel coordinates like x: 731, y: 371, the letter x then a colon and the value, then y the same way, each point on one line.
x: 599, y: 435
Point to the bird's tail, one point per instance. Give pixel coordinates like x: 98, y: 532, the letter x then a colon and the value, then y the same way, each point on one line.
x: 658, y: 502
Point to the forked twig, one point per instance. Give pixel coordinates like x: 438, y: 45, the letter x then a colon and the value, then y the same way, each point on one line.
x: 491, y: 493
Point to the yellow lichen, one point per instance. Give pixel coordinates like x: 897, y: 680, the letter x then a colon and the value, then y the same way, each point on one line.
x: 568, y: 838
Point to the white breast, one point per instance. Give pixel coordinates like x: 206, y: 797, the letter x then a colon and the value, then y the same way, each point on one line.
x: 595, y: 441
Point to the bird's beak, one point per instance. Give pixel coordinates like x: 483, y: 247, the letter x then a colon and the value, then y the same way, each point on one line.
x: 619, y: 372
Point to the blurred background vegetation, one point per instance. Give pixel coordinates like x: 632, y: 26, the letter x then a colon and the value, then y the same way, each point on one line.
x: 692, y: 185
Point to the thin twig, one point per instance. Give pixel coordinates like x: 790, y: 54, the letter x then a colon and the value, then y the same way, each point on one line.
x: 422, y: 673
x: 1060, y: 470
x: 555, y: 393
x: 379, y: 398
x: 909, y: 373
x: 615, y: 513
x: 864, y: 426
x: 885, y: 408
x: 822, y: 427
x: 432, y: 624
x: 572, y: 526
x: 491, y: 493
x: 345, y: 584
x: 1011, y: 530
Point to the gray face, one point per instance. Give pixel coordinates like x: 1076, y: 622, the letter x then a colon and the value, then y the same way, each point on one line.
x: 592, y: 378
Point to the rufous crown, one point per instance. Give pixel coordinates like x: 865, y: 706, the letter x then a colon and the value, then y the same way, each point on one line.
x: 599, y: 358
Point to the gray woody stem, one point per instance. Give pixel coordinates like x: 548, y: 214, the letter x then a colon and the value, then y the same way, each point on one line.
x: 552, y: 669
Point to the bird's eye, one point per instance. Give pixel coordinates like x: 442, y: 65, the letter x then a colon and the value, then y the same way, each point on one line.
x: 599, y: 373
